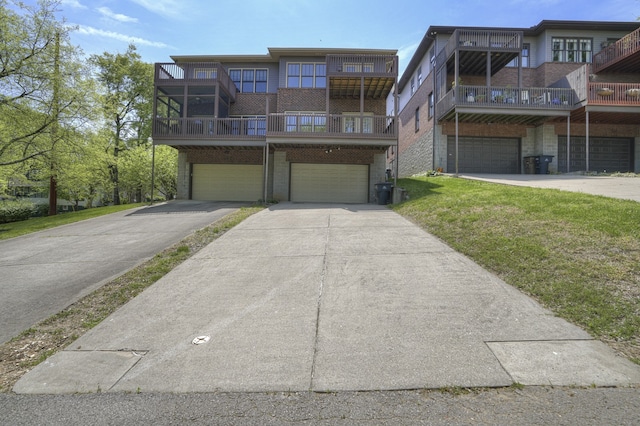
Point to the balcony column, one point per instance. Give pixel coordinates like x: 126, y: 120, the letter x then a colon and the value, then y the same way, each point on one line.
x: 361, y: 104
x: 587, y: 141
x: 456, y: 143
x: 568, y: 143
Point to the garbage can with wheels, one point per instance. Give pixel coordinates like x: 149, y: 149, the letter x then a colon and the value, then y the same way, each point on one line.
x: 383, y: 192
x: 543, y: 164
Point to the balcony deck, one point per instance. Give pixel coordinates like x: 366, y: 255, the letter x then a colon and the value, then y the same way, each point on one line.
x: 618, y: 94
x: 622, y: 56
x: 313, y: 126
x: 351, y: 75
x: 473, y: 46
x: 169, y: 74
x: 506, y: 104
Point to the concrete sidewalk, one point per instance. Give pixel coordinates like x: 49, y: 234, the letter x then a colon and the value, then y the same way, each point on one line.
x: 328, y: 298
x: 626, y: 188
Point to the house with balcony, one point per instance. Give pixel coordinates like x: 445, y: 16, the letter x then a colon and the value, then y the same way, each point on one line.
x: 301, y: 125
x: 500, y: 100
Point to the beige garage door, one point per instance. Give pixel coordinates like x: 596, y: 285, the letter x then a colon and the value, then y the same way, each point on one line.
x: 227, y: 182
x: 329, y: 183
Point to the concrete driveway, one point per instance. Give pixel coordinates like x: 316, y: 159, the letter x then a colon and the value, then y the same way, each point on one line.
x: 626, y: 188
x: 44, y: 272
x: 328, y: 298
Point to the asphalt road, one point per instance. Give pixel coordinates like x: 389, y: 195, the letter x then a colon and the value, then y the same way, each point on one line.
x: 44, y: 272
x: 503, y: 406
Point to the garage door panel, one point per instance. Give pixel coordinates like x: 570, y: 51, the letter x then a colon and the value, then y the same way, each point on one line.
x: 330, y: 183
x: 227, y: 182
x: 484, y: 155
x: 605, y: 154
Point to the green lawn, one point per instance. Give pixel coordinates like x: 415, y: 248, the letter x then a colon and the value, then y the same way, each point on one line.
x: 15, y: 229
x: 577, y: 254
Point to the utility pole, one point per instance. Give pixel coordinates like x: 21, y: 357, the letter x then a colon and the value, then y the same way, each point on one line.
x: 53, y: 187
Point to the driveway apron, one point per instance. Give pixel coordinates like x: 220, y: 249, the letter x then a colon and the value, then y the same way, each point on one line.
x: 304, y: 297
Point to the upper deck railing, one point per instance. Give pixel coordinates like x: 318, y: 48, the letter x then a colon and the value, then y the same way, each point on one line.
x: 362, y: 65
x: 481, y: 40
x: 614, y: 94
x: 617, y: 51
x: 193, y: 73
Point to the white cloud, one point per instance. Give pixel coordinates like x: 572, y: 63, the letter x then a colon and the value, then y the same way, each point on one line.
x: 86, y: 30
x: 73, y: 3
x: 172, y: 8
x: 105, y: 11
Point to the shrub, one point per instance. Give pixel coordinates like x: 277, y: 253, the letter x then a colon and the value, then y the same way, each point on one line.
x: 14, y: 211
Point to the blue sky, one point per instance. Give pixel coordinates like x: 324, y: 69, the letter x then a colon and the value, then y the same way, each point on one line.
x: 161, y: 28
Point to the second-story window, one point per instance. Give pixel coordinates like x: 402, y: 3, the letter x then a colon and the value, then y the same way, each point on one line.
x: 249, y: 80
x: 306, y: 75
x: 431, y: 104
x: 526, y: 48
x: 413, y: 86
x: 571, y: 49
x: 419, y: 76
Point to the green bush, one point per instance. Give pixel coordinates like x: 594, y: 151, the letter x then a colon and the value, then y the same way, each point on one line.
x: 15, y: 211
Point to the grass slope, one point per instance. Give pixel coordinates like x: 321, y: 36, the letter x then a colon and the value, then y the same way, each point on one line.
x: 577, y: 254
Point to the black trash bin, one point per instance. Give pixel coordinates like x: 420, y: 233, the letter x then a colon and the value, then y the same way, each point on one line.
x: 383, y: 192
x: 542, y: 164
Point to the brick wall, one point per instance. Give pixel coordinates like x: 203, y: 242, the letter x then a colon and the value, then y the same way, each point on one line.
x: 301, y: 100
x: 336, y: 156
x: 485, y: 130
x: 253, y: 104
x: 224, y: 156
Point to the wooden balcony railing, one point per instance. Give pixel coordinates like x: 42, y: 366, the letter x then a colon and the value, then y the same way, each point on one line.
x: 484, y: 97
x: 362, y: 65
x: 209, y: 128
x: 332, y: 125
x: 171, y: 74
x: 481, y: 40
x: 294, y: 125
x: 626, y: 46
x: 614, y: 94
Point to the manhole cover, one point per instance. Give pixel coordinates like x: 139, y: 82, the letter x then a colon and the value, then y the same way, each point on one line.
x: 200, y: 340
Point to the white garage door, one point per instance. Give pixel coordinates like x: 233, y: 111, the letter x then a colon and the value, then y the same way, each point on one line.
x: 329, y: 183
x: 227, y: 182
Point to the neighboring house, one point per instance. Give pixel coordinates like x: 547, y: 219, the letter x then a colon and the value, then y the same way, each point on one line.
x: 487, y: 100
x: 302, y: 125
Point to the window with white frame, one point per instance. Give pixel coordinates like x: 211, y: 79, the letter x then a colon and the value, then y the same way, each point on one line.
x: 431, y: 104
x: 250, y: 125
x: 249, y: 80
x: 419, y: 74
x: 526, y: 49
x: 305, y: 121
x: 571, y: 49
x: 353, y: 122
x: 306, y: 75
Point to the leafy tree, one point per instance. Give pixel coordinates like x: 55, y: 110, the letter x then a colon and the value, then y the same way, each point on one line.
x: 43, y: 87
x: 126, y: 102
x: 166, y: 171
